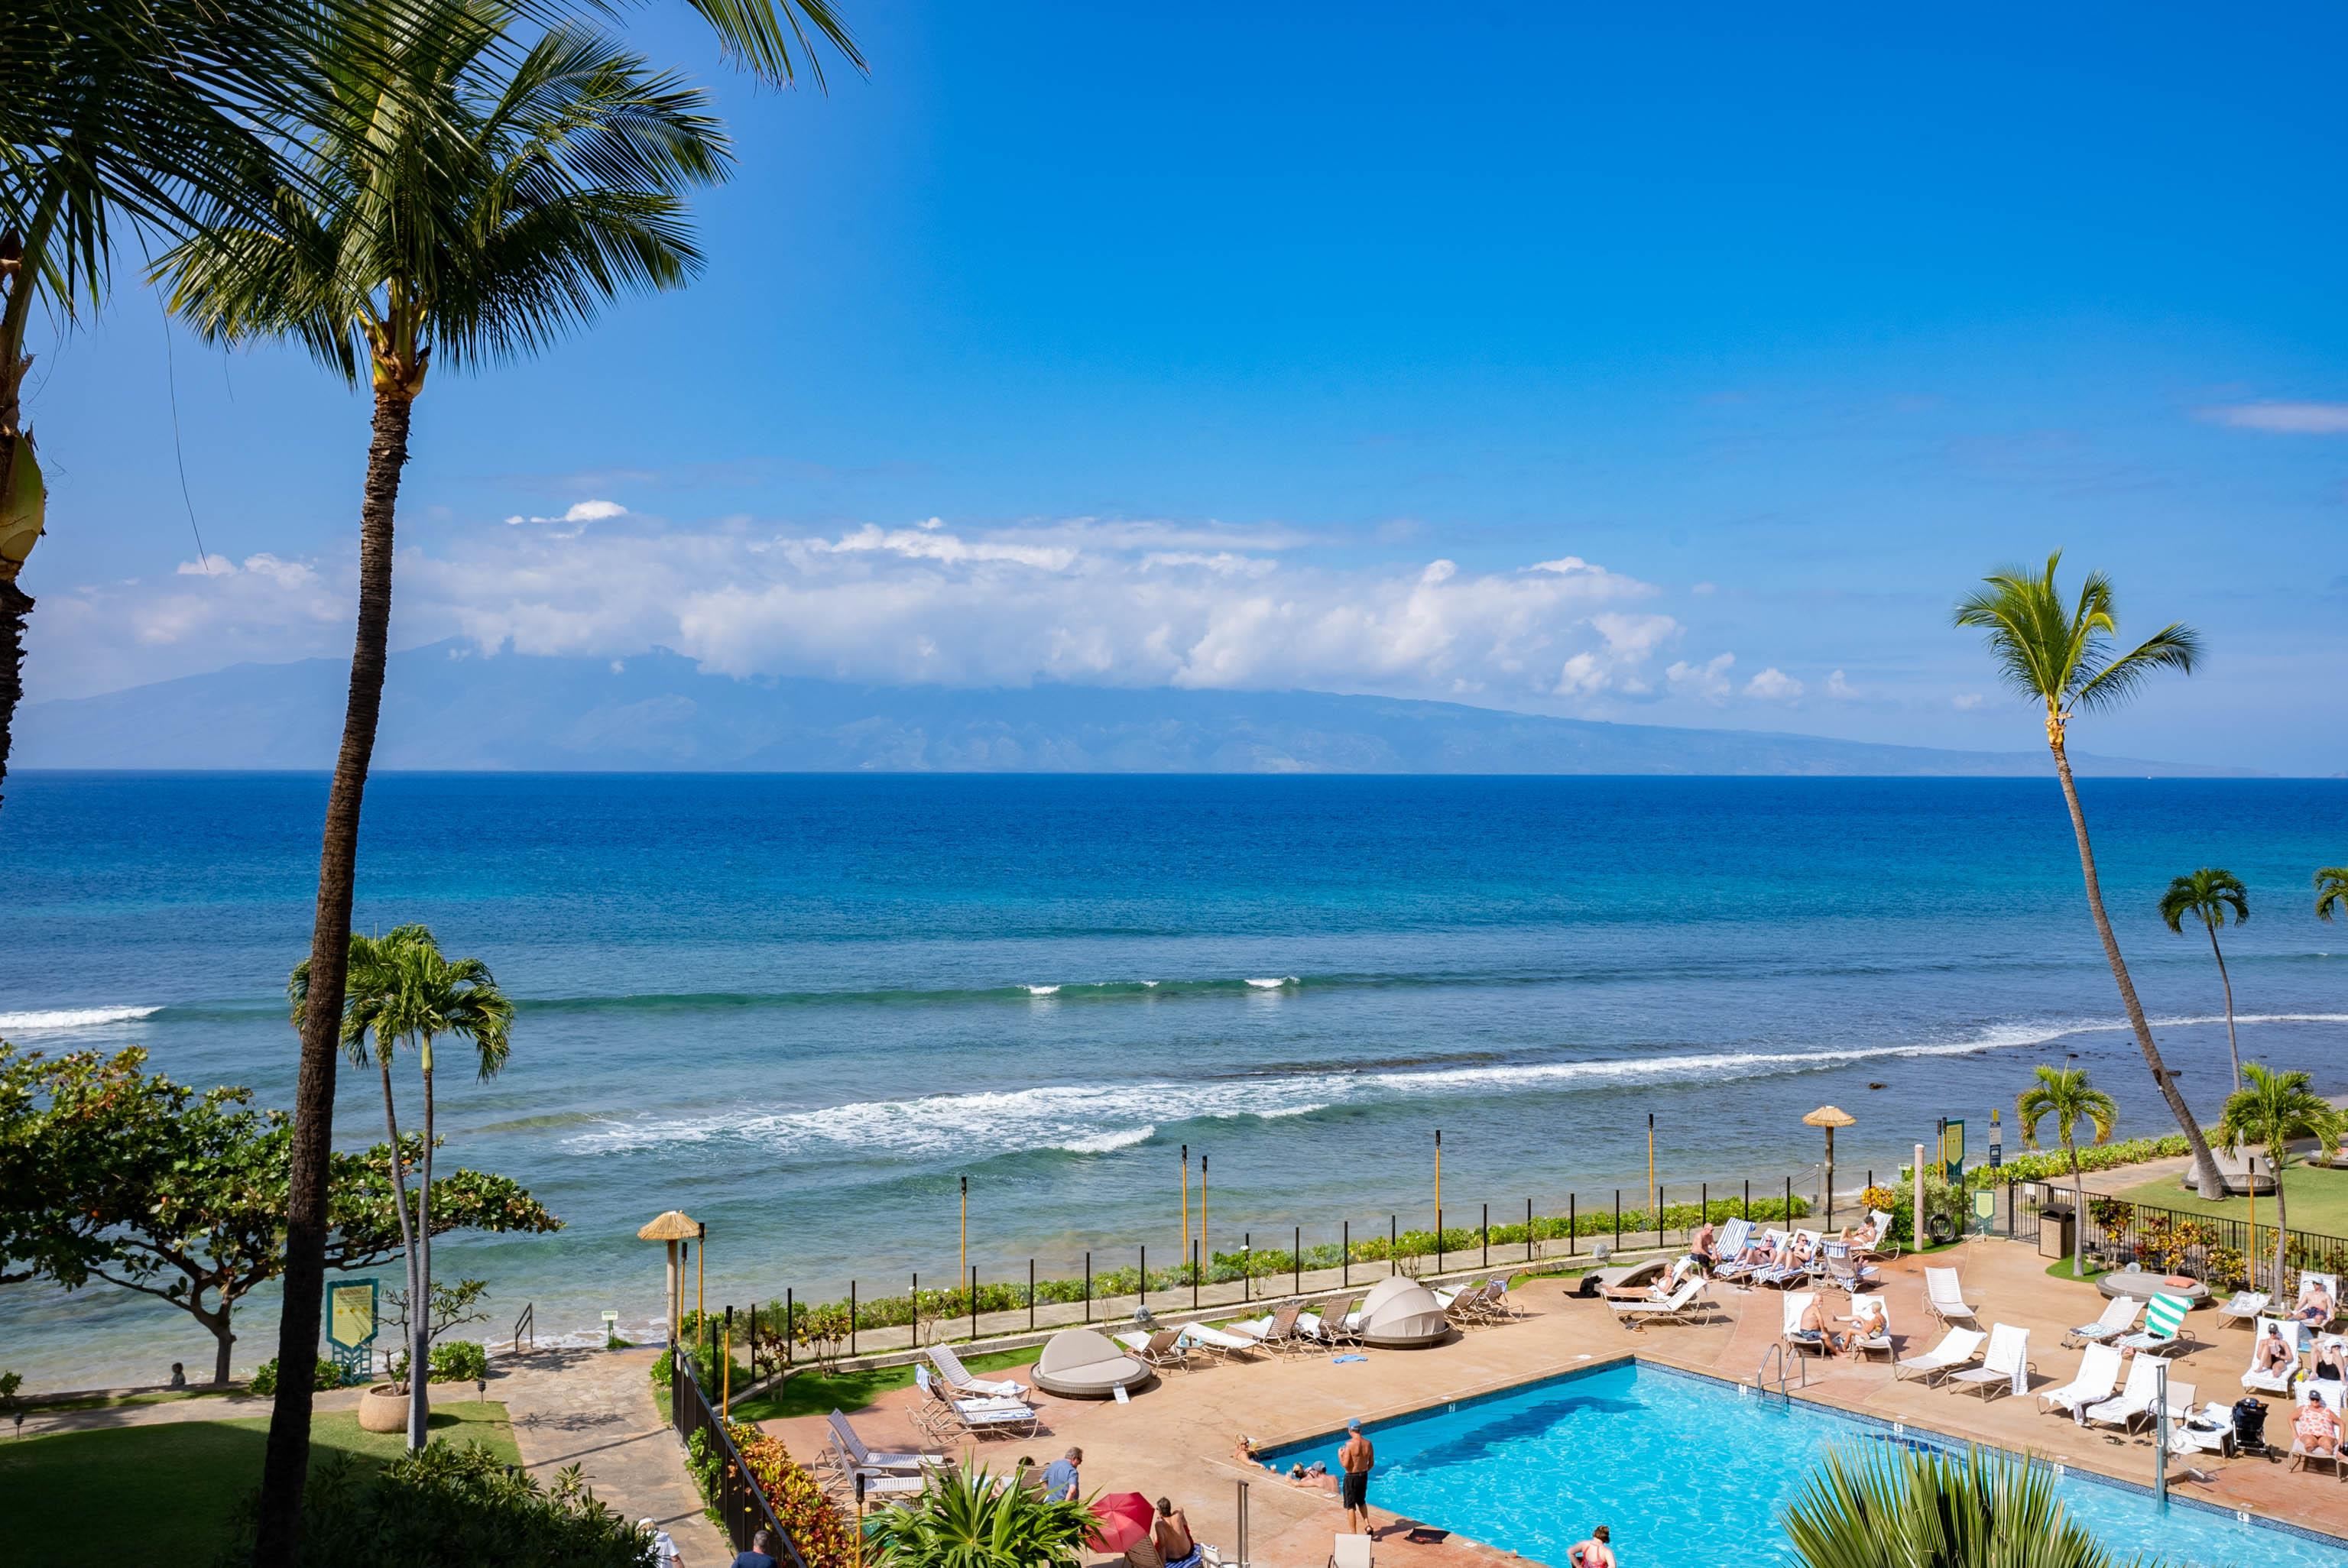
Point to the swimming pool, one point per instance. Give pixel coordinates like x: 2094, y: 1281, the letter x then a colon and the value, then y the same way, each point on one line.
x: 1674, y: 1461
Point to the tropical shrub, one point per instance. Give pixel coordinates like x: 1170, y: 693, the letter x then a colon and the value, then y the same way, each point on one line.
x: 264, y: 1377
x: 966, y: 1519
x: 2053, y: 1165
x: 815, y: 1526
x: 448, y: 1507
x: 459, y: 1361
x: 1901, y: 1507
x: 1889, y: 1201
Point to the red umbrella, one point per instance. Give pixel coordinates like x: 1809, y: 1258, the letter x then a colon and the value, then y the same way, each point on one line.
x: 1125, y: 1518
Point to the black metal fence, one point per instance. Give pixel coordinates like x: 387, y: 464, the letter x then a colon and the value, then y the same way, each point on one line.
x: 2224, y: 1252
x: 740, y: 1502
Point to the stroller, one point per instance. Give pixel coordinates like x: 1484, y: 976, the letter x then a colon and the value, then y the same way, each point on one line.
x: 2251, y: 1426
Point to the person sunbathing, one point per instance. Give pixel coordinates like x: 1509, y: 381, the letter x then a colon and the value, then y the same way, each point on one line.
x: 2317, y: 1427
x: 1868, y: 1322
x: 1813, y: 1324
x: 2332, y: 1361
x: 2315, y: 1308
x: 2274, y: 1355
x: 1176, y: 1545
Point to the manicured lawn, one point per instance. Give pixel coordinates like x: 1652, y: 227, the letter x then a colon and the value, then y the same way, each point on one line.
x: 2062, y: 1270
x: 812, y: 1394
x: 115, y: 1495
x: 2318, y: 1198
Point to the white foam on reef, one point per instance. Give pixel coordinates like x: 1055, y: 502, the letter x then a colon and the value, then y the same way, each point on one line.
x: 1043, y: 991
x: 71, y: 1018
x: 1273, y: 985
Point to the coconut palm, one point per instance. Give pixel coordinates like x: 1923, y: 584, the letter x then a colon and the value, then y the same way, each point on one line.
x: 2274, y: 1109
x: 2065, y: 1094
x: 412, y: 991
x: 966, y: 1519
x: 2061, y: 655
x: 2331, y: 890
x: 1900, y: 1508
x: 2208, y: 895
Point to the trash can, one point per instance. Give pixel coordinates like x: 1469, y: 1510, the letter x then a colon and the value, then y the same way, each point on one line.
x: 2057, y: 1227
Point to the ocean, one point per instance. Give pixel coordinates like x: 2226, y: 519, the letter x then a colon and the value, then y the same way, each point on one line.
x: 805, y: 1008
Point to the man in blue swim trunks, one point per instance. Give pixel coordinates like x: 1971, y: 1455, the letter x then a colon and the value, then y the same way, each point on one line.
x: 1355, y: 1458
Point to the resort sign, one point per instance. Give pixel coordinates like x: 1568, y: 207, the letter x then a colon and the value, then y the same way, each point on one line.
x: 351, y: 1324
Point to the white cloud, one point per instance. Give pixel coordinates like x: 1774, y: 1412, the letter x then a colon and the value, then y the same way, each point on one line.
x: 1708, y: 682
x: 1772, y: 685
x: 1965, y: 702
x: 579, y: 512
x: 1837, y: 686
x: 2281, y: 419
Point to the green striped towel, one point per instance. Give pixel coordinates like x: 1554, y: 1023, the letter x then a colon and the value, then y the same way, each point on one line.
x: 2165, y: 1316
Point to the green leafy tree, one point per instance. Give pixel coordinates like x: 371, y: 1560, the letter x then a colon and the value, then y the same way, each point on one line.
x: 2210, y: 895
x: 181, y: 1196
x: 966, y: 1519
x: 2065, y: 1094
x: 1908, y: 1508
x: 2062, y: 656
x: 2273, y: 1109
x: 2331, y: 890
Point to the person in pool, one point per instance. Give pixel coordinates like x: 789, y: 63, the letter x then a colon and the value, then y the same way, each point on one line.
x: 1594, y: 1552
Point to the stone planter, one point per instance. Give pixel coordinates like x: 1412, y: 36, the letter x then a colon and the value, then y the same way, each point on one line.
x: 383, y: 1408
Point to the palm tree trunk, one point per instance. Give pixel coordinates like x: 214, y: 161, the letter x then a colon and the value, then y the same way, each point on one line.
x: 398, y: 1180
x: 2226, y: 980
x: 2205, y: 1165
x: 286, y: 1463
x: 16, y: 604
x: 419, y: 1319
x: 15, y: 313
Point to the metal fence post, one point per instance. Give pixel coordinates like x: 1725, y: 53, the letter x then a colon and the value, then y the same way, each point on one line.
x: 1572, y: 1226
x: 973, y: 1301
x: 1789, y: 1200
x: 1528, y: 1229
x: 1618, y: 1219
x: 1746, y: 1214
x: 1194, y: 1277
x: 1145, y: 1277
x: 1296, y: 1263
x: 1247, y: 1267
x: 1031, y: 1294
x: 1345, y: 1263
x: 1703, y: 1204
x: 1394, y: 1243
x: 852, y: 1319
x: 1089, y: 1285
x: 916, y: 1310
x: 1487, y: 1236
x: 790, y: 1331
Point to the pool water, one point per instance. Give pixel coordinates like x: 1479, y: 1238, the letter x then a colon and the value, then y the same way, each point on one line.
x: 1689, y: 1473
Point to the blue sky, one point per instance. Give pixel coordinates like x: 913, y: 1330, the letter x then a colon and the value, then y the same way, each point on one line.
x: 1282, y: 346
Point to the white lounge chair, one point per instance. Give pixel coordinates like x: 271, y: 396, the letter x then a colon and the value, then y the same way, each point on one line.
x: 1800, y: 1260
x: 1798, y: 1302
x: 1880, y: 1244
x: 1676, y: 1308
x: 2006, y: 1367
x: 1958, y: 1347
x: 1944, y: 1297
x: 1166, y: 1350
x: 2134, y: 1402
x: 2210, y: 1430
x: 2119, y: 1317
x: 1218, y: 1342
x: 957, y: 1378
x: 1276, y: 1330
x: 2276, y: 1382
x: 882, y: 1472
x: 2299, y: 1457
x: 2244, y: 1306
x: 2330, y: 1283
x: 2098, y: 1375
x: 1747, y: 1259
x: 1871, y: 1321
x: 949, y: 1417
x: 1732, y: 1239
x: 1351, y: 1552
x: 2164, y: 1326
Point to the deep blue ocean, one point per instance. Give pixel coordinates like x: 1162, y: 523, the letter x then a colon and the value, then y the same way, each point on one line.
x: 803, y: 1008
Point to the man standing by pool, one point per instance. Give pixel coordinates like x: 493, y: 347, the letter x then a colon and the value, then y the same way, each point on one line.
x: 1355, y: 1458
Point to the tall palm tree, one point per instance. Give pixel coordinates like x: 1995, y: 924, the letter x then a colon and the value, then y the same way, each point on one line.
x: 2061, y: 655
x: 1900, y: 1508
x: 2208, y: 895
x: 418, y: 994
x: 2274, y: 1109
x: 2065, y: 1094
x: 2331, y: 890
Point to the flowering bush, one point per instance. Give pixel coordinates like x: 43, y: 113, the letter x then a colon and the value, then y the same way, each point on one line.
x: 816, y: 1527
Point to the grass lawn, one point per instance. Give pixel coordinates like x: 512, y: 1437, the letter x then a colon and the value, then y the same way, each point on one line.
x: 2319, y: 1200
x: 2062, y: 1270
x: 93, y: 1496
x: 813, y: 1394
x: 116, y: 1401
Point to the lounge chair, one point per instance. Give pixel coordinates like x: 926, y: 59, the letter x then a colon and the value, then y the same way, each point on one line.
x: 1748, y: 1259
x: 2098, y: 1375
x: 2119, y: 1317
x: 1351, y: 1552
x: 1275, y: 1331
x: 2006, y: 1367
x: 1217, y: 1342
x: 1732, y: 1241
x: 948, y: 1418
x: 2278, y: 1382
x: 1879, y: 1246
x: 1794, y: 1267
x: 1679, y: 1306
x: 1958, y: 1347
x: 2300, y: 1458
x: 1464, y: 1306
x: 2330, y: 1283
x: 1165, y: 1349
x: 1841, y: 1268
x: 2134, y: 1402
x: 958, y: 1380
x: 857, y: 1469
x: 1871, y: 1310
x: 853, y: 1449
x: 2164, y: 1326
x: 2244, y: 1306
x: 2211, y: 1431
x: 1944, y: 1297
x: 1796, y: 1338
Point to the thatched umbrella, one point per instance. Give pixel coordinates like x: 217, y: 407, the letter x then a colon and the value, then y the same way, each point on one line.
x: 672, y: 1228
x: 1829, y: 1117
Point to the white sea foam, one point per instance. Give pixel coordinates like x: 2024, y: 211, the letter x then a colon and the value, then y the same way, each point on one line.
x: 1043, y: 991
x: 1273, y: 985
x: 71, y: 1018
x: 1103, y: 1143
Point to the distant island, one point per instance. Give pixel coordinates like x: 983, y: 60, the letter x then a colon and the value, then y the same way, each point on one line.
x: 447, y: 707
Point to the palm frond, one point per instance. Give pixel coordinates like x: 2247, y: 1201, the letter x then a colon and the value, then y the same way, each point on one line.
x: 2331, y: 890
x: 2174, y: 647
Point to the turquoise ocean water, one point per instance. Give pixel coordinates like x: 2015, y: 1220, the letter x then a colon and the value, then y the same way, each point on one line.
x: 803, y: 1008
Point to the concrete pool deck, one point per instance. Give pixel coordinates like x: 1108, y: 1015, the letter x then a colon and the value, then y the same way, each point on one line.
x: 1177, y: 1435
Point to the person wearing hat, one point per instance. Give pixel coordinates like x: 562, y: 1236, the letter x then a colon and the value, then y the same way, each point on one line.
x: 664, y: 1552
x: 1355, y: 1458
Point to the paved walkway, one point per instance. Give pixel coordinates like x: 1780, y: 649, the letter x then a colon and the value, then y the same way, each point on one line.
x: 594, y: 1408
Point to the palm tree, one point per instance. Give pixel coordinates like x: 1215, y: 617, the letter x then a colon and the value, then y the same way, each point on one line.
x: 2065, y: 1094
x: 2331, y: 890
x: 415, y: 993
x: 2208, y: 894
x: 966, y: 1519
x: 2274, y: 1110
x: 1897, y: 1507
x: 2061, y: 655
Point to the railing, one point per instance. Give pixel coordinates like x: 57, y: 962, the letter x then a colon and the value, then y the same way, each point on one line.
x: 2221, y: 1250
x: 526, y: 1327
x: 740, y: 1502
x: 1780, y: 1355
